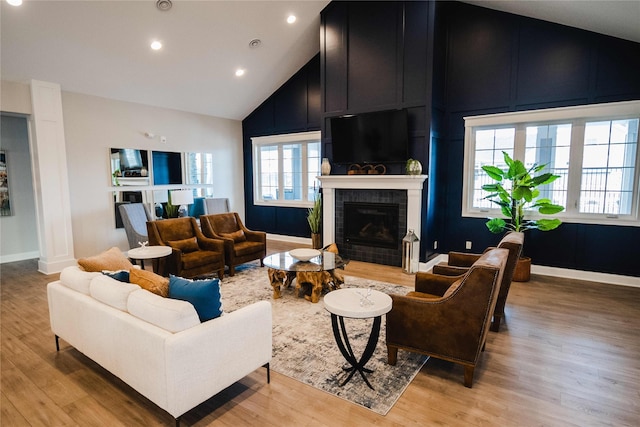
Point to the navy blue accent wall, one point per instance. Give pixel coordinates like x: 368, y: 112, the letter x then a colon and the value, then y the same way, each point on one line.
x: 443, y: 61
x: 497, y: 62
x: 295, y: 107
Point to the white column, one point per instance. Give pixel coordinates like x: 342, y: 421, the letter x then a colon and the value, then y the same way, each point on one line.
x: 51, y: 183
x: 328, y: 216
x: 414, y: 210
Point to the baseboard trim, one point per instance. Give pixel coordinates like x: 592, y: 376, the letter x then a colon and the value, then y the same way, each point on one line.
x: 19, y: 257
x: 591, y: 276
x: 289, y: 239
x: 55, y: 267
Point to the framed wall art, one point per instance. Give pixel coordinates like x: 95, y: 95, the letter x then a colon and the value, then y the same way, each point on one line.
x: 5, y: 201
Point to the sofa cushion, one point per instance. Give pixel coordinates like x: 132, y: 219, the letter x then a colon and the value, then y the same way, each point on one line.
x: 150, y: 281
x: 203, y: 294
x: 237, y: 236
x: 197, y: 259
x: 120, y: 276
x: 78, y: 280
x: 111, y: 292
x: 247, y: 248
x: 185, y: 245
x: 111, y: 260
x: 169, y: 314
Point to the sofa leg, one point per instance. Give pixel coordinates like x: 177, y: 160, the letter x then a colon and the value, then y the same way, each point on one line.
x: 266, y: 365
x: 221, y: 274
x: 468, y: 375
x: 392, y: 355
x: 232, y: 270
x: 57, y: 343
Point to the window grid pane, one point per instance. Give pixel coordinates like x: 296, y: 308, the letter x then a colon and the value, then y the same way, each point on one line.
x: 608, y: 167
x: 550, y: 145
x: 269, y: 172
x: 490, y: 143
x: 313, y: 169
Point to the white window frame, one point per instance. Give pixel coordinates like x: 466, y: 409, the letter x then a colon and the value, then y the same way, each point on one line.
x: 302, y: 138
x: 577, y: 116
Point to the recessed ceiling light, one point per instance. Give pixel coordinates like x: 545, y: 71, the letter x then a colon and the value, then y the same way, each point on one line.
x: 291, y: 19
x: 155, y: 45
x: 239, y: 72
x: 14, y: 2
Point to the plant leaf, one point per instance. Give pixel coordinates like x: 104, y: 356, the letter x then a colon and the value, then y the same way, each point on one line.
x: 496, y: 225
x: 494, y: 172
x: 548, y: 224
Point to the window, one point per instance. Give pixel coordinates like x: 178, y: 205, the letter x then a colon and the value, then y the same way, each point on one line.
x: 285, y: 169
x: 200, y: 171
x: 592, y: 148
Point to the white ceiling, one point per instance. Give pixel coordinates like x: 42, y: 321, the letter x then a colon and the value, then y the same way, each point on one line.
x: 102, y: 47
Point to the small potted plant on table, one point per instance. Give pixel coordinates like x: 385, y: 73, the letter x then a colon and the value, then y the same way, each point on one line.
x: 314, y: 218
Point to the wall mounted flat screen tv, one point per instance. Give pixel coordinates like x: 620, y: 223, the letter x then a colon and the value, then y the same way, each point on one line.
x: 376, y: 137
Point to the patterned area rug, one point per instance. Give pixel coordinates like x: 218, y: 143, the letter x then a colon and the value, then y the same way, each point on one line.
x: 304, y: 347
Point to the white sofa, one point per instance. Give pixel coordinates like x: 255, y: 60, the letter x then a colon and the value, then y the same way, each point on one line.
x: 158, y: 345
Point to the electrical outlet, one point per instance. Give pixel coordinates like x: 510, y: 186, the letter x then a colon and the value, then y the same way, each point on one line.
x: 468, y: 244
x: 435, y: 244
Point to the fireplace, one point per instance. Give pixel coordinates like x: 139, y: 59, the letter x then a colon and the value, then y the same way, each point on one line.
x: 405, y: 191
x: 371, y: 224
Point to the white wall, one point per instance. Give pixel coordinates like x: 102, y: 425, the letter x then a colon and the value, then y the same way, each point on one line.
x: 93, y: 125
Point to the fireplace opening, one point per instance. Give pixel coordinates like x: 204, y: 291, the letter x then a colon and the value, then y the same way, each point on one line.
x: 371, y: 224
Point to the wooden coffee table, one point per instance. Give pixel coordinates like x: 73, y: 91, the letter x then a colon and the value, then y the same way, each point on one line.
x: 311, y: 277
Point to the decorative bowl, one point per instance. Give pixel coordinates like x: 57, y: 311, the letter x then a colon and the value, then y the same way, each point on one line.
x: 304, y: 254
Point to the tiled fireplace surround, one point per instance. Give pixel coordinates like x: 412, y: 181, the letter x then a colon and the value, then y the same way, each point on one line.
x: 404, y: 190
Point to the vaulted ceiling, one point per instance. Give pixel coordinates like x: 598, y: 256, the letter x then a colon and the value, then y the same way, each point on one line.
x: 102, y: 48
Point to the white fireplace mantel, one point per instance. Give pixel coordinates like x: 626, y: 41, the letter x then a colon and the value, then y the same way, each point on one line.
x: 411, y: 183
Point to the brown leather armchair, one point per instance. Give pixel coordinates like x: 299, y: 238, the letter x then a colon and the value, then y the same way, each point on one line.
x: 459, y: 263
x: 192, y: 254
x: 240, y: 244
x: 448, y: 317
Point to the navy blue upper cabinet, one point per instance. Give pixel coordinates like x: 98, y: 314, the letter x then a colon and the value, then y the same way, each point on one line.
x: 375, y: 55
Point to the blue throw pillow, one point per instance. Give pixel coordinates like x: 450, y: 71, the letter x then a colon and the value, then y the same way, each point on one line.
x: 121, y: 276
x: 204, y: 295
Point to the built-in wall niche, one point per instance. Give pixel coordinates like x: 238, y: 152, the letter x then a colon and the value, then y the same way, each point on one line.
x: 167, y: 167
x: 129, y: 166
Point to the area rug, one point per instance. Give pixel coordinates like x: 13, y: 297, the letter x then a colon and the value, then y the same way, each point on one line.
x: 304, y: 347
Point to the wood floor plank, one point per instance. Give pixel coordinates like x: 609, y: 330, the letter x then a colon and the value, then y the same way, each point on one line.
x: 567, y: 354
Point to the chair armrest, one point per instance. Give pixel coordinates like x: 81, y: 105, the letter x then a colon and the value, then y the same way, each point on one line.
x: 255, y: 236
x: 433, y: 284
x: 462, y: 259
x: 448, y: 270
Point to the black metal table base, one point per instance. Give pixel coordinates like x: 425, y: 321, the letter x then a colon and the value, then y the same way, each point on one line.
x: 340, y: 334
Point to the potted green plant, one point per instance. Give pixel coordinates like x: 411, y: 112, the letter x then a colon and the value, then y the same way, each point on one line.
x: 314, y: 218
x: 520, y: 197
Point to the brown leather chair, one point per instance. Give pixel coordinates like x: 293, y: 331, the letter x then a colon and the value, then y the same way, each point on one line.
x: 459, y: 263
x: 193, y: 254
x: 448, y: 317
x: 240, y: 244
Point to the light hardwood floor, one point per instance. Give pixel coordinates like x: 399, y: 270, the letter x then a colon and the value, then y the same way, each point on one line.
x: 568, y: 354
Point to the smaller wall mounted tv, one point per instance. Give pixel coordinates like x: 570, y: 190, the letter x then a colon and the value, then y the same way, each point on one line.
x: 376, y: 137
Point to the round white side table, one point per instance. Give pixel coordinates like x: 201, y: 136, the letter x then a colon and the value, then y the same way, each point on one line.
x: 148, y: 252
x: 358, y: 304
